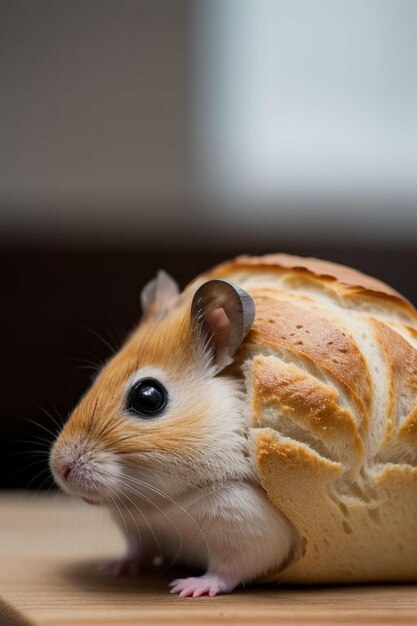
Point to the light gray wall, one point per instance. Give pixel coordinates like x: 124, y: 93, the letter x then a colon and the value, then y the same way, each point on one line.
x: 307, y: 115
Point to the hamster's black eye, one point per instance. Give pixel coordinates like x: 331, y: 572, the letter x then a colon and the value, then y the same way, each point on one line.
x: 147, y: 398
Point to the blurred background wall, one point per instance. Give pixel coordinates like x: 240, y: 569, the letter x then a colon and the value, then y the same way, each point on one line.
x: 307, y: 110
x: 138, y: 134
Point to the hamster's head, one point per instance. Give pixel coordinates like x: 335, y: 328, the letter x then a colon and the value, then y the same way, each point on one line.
x: 166, y: 413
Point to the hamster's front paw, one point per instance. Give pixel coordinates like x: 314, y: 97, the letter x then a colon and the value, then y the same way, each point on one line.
x: 208, y: 584
x: 132, y: 565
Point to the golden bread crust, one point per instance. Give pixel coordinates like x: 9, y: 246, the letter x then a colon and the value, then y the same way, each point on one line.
x: 285, y: 397
x: 331, y: 372
x: 346, y: 282
x: 281, y: 324
x: 323, y: 270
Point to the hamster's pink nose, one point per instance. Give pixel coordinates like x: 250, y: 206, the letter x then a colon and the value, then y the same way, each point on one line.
x: 62, y: 469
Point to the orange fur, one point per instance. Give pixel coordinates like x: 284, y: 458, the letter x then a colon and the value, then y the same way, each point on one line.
x: 166, y: 341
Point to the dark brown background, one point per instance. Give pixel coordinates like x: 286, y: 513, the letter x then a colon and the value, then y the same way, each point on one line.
x: 57, y: 303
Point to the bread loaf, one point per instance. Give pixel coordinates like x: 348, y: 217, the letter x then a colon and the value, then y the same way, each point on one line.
x: 331, y: 375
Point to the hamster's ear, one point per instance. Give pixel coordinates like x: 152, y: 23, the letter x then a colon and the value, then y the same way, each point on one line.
x: 222, y: 314
x: 158, y: 295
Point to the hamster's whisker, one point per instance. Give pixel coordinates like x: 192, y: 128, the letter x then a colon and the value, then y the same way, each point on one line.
x: 92, y: 358
x: 86, y: 363
x: 111, y: 332
x: 150, y: 501
x: 119, y: 423
x: 99, y: 336
x: 90, y: 421
x: 126, y: 439
x: 174, y: 502
x: 108, y: 493
x: 178, y: 478
x: 143, y: 516
x: 45, y: 480
x: 88, y: 368
x: 45, y: 469
x: 104, y: 429
x: 27, y: 466
x: 48, y: 430
x: 158, y: 491
x: 122, y: 504
x: 149, y: 469
x: 48, y: 414
x: 57, y: 412
x: 41, y: 440
x: 36, y: 493
x: 37, y: 441
x: 135, y: 523
x: 158, y: 471
x: 109, y: 429
x: 44, y: 453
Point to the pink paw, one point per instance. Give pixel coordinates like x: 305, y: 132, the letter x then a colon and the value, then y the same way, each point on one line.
x: 120, y: 567
x: 209, y: 585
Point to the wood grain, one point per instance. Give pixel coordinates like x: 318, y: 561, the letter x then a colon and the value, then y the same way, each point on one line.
x: 51, y: 547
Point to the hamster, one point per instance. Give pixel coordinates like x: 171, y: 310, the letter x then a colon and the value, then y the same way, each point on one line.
x: 162, y: 439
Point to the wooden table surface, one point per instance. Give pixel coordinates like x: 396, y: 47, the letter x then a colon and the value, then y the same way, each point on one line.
x: 51, y: 546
